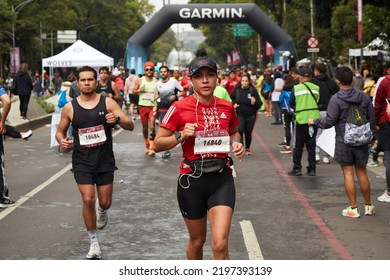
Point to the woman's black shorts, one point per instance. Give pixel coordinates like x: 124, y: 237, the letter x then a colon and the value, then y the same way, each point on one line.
x: 197, y: 195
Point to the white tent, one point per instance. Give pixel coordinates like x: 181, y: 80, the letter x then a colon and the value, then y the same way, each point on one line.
x: 77, y: 55
x: 372, y: 49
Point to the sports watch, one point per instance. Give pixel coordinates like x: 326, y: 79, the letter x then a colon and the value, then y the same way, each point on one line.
x: 178, y: 137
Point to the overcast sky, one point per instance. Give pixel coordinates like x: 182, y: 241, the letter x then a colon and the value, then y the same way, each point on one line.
x: 158, y: 4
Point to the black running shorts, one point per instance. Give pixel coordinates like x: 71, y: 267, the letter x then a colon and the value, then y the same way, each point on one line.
x: 198, y: 195
x: 105, y: 178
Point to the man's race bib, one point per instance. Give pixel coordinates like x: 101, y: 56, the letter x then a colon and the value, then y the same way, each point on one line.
x: 92, y: 136
x: 148, y: 96
x: 214, y: 141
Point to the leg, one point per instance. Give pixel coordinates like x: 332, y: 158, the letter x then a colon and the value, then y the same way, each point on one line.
x: 104, y: 193
x: 299, y: 144
x: 349, y: 184
x: 249, y: 124
x: 220, y: 221
x: 364, y: 183
x: 241, y: 127
x: 311, y: 150
x: 197, y: 230
x: 89, y: 214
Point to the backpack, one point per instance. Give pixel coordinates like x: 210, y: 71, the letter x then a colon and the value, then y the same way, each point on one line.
x: 357, y: 127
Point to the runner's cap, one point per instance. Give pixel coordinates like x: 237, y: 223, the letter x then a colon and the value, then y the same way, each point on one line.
x: 148, y: 63
x: 202, y: 61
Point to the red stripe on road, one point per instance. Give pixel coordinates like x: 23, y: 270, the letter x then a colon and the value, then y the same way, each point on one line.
x: 328, y: 234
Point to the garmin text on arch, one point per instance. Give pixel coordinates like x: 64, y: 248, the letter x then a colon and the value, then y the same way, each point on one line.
x: 211, y: 13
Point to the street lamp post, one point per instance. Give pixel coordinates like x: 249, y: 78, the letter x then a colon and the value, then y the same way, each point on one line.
x: 15, y: 11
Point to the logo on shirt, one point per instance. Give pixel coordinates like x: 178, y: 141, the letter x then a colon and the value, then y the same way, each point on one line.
x: 101, y: 113
x: 223, y: 116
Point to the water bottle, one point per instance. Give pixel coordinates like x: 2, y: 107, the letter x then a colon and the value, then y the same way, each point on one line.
x: 311, y: 130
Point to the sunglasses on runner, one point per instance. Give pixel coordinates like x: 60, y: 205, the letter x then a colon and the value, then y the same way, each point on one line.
x: 149, y: 69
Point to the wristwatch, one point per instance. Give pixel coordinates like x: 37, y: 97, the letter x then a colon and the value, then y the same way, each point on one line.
x: 118, y: 119
x: 178, y: 137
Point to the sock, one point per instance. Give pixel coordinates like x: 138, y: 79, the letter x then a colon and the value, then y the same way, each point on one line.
x: 92, y: 236
x: 101, y: 210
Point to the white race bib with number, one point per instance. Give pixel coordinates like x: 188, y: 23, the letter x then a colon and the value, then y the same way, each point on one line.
x: 92, y: 136
x: 148, y: 96
x: 214, y: 141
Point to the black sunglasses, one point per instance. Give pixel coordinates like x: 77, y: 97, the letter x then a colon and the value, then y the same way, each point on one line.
x: 149, y: 69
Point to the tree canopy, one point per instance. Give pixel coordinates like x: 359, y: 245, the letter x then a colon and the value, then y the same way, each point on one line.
x: 107, y: 25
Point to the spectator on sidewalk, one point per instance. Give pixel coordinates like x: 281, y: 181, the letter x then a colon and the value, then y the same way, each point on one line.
x: 23, y: 88
x: 5, y: 201
x: 352, y: 159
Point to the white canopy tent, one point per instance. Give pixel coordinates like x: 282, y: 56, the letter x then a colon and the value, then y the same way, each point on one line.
x: 77, y: 55
x: 374, y: 48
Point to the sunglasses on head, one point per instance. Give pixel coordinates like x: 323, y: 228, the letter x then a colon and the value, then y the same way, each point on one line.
x: 149, y: 69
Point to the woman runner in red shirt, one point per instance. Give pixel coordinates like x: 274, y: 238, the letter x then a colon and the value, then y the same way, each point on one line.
x: 206, y: 127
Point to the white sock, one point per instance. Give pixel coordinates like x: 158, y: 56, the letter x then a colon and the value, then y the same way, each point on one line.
x: 92, y: 236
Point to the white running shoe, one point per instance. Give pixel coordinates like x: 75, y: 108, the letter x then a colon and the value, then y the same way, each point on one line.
x: 317, y: 158
x: 384, y: 197
x: 325, y: 160
x: 26, y: 135
x: 94, y: 252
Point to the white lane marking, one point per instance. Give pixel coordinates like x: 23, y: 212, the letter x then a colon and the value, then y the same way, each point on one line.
x: 29, y: 195
x: 252, y: 246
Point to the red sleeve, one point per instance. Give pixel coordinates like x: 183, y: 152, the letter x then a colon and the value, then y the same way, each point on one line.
x: 171, y: 119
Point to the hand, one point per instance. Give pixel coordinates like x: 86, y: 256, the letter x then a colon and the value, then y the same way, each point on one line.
x: 189, y: 130
x: 67, y: 142
x: 110, y: 117
x: 235, y: 106
x: 238, y: 150
x: 253, y: 100
x: 310, y: 122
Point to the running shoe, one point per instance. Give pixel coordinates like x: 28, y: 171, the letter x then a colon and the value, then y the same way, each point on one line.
x: 351, y: 212
x: 101, y: 219
x: 286, y: 150
x: 248, y: 152
x: 167, y: 154
x: 295, y: 172
x: 152, y: 153
x: 318, y: 158
x: 94, y: 252
x: 147, y: 150
x: 373, y: 164
x: 6, y: 202
x: 311, y: 173
x: 283, y: 144
x: 385, y: 197
x: 133, y: 118
x: 26, y: 135
x: 325, y: 160
x: 369, y: 209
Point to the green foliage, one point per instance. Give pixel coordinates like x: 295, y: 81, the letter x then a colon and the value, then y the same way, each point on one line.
x: 48, y: 107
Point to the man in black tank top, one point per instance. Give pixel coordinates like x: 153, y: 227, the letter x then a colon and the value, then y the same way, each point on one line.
x: 105, y: 86
x: 93, y: 117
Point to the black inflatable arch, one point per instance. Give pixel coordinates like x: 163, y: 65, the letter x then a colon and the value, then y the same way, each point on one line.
x: 205, y: 13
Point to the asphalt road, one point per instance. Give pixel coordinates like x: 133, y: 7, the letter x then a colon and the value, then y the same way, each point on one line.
x: 277, y: 217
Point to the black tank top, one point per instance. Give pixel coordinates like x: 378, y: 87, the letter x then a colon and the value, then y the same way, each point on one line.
x: 92, y: 159
x: 105, y: 89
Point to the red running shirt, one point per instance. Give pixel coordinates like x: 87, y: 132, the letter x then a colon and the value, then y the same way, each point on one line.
x: 219, y: 115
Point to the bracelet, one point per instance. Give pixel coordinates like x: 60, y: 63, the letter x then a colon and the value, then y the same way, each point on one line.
x: 235, y: 140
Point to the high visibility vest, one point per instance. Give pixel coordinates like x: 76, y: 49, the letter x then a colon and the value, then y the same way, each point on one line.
x: 306, y: 107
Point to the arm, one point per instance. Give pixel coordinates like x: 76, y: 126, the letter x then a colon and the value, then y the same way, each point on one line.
x: 166, y: 140
x: 235, y: 142
x: 114, y: 111
x: 63, y: 126
x: 116, y: 96
x: 6, y: 108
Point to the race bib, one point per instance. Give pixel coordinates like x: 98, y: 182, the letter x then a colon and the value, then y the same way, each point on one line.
x: 92, y: 136
x: 148, y: 96
x: 214, y: 141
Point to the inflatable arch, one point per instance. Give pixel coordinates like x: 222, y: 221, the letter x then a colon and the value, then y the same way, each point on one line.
x: 205, y: 13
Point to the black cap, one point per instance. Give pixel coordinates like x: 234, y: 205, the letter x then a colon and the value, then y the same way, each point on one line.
x: 203, y: 61
x: 304, y: 72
